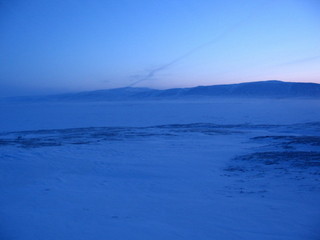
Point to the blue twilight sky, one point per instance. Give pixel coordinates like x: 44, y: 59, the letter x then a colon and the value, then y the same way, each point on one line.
x: 53, y: 46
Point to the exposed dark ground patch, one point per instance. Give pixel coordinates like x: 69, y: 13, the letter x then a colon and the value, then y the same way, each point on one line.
x: 246, y: 170
x: 91, y: 135
x: 289, y: 152
x: 58, y: 137
x: 281, y: 154
x: 289, y: 141
x: 301, y: 159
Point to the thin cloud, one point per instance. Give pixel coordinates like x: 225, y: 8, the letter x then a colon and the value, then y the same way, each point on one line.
x: 299, y: 61
x: 153, y: 72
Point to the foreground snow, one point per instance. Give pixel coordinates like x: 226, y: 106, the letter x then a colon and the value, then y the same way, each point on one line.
x: 222, y: 170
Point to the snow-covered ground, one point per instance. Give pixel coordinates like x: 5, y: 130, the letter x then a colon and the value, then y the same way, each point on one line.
x: 220, y: 169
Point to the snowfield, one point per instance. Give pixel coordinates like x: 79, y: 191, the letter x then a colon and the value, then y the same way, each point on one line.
x: 220, y: 169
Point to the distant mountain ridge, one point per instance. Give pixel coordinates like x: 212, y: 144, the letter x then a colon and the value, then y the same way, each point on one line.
x: 262, y: 89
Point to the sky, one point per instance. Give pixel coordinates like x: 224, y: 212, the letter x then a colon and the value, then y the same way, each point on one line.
x: 57, y: 46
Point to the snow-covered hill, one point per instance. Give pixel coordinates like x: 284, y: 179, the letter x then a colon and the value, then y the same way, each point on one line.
x: 262, y: 89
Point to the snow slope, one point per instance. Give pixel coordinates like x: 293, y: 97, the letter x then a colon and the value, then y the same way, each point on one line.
x: 227, y: 169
